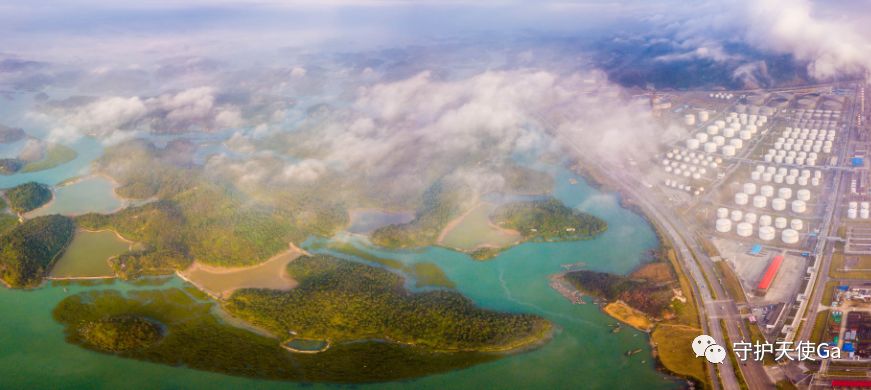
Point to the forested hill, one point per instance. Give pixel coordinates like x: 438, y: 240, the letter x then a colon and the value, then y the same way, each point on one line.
x: 28, y: 250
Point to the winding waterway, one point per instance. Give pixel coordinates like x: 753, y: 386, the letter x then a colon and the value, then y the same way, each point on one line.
x: 583, y: 354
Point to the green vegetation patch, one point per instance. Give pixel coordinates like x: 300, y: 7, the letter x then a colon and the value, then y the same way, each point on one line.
x: 120, y: 333
x: 425, y: 274
x: 342, y: 301
x: 56, y: 155
x: 9, y: 166
x: 441, y: 203
x: 28, y: 196
x: 548, y: 220
x: 28, y: 251
x: 192, y: 336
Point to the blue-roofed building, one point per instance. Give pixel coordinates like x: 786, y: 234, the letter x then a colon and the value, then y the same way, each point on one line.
x: 756, y: 250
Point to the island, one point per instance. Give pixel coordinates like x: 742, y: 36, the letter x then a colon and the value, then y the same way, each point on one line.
x: 28, y: 196
x: 28, y: 251
x: 345, y: 312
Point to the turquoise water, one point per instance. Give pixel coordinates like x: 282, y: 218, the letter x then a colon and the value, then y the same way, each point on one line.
x: 583, y: 354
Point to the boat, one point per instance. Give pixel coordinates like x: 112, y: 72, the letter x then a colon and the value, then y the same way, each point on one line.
x: 633, y: 351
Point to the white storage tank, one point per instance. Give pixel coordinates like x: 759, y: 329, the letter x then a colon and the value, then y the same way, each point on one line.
x: 789, y: 180
x: 737, y: 143
x: 766, y: 233
x: 689, y: 119
x: 766, y: 190
x: 766, y: 177
x: 789, y: 236
x: 728, y: 150
x: 713, y: 130
x: 729, y: 132
x: 864, y: 205
x: 720, y: 123
x: 784, y: 192
x: 853, y: 205
x: 799, y: 206
x: 736, y: 215
x: 749, y: 188
x: 719, y: 140
x: 756, y: 175
x: 852, y: 213
x: 750, y: 218
x: 815, y: 182
x: 722, y: 212
x: 778, y: 178
x: 765, y: 220
x: 710, y: 147
x: 803, y: 194
x: 796, y: 224
x: 863, y: 213
x: 780, y: 222
x: 744, y: 229
x: 802, y: 181
x: 741, y: 199
x: 760, y: 201
x: 692, y: 144
x: 744, y: 135
x: 702, y: 137
x: 703, y: 116
x: 724, y: 225
x: 778, y: 204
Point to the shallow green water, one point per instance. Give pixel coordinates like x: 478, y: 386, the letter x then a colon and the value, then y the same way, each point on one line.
x: 476, y: 230
x: 583, y: 354
x: 88, y: 255
x: 93, y: 194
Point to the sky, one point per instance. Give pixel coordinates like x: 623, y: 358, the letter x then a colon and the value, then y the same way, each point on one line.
x: 394, y: 75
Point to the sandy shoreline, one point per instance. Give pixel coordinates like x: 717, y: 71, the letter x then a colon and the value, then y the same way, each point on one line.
x: 220, y: 282
x: 453, y: 224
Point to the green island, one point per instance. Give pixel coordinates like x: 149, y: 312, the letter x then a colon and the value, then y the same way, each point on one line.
x: 342, y: 301
x: 363, y: 312
x: 28, y: 196
x: 651, y: 297
x: 28, y: 251
x: 56, y: 155
x: 548, y: 220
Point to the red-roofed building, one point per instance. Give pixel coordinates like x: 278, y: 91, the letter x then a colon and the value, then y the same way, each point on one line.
x: 770, y: 274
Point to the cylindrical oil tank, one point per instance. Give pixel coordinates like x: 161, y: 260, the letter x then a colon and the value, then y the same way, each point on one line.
x: 724, y: 225
x: 720, y: 123
x: 789, y: 236
x: 741, y: 199
x: 765, y: 220
x: 803, y: 194
x: 789, y: 180
x: 710, y: 147
x: 719, y: 140
x: 780, y: 222
x: 702, y: 137
x: 736, y: 215
x: 766, y: 190
x: 784, y: 192
x: 802, y: 181
x: 760, y: 201
x: 864, y: 205
x: 863, y: 213
x: 778, y: 204
x: 713, y: 130
x: 766, y: 177
x: 744, y: 229
x: 796, y: 224
x: 768, y: 158
x: 728, y: 150
x: 853, y: 205
x: 750, y: 217
x: 729, y: 132
x: 745, y: 135
x: 799, y: 206
x: 778, y: 178
x: 755, y: 175
x: 689, y: 119
x: 766, y: 233
x: 703, y: 116
x: 852, y: 213
x: 722, y: 212
x: 749, y: 188
x: 692, y: 144
x: 772, y: 170
x: 737, y: 143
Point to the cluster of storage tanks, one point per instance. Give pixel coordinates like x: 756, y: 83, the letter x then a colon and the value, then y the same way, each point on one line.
x: 791, y: 176
x: 727, y: 136
x: 746, y: 223
x: 801, y: 146
x: 689, y: 165
x: 721, y: 95
x: 690, y: 119
x: 754, y: 109
x: 779, y: 200
x: 684, y: 187
x: 817, y: 118
x: 858, y: 210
